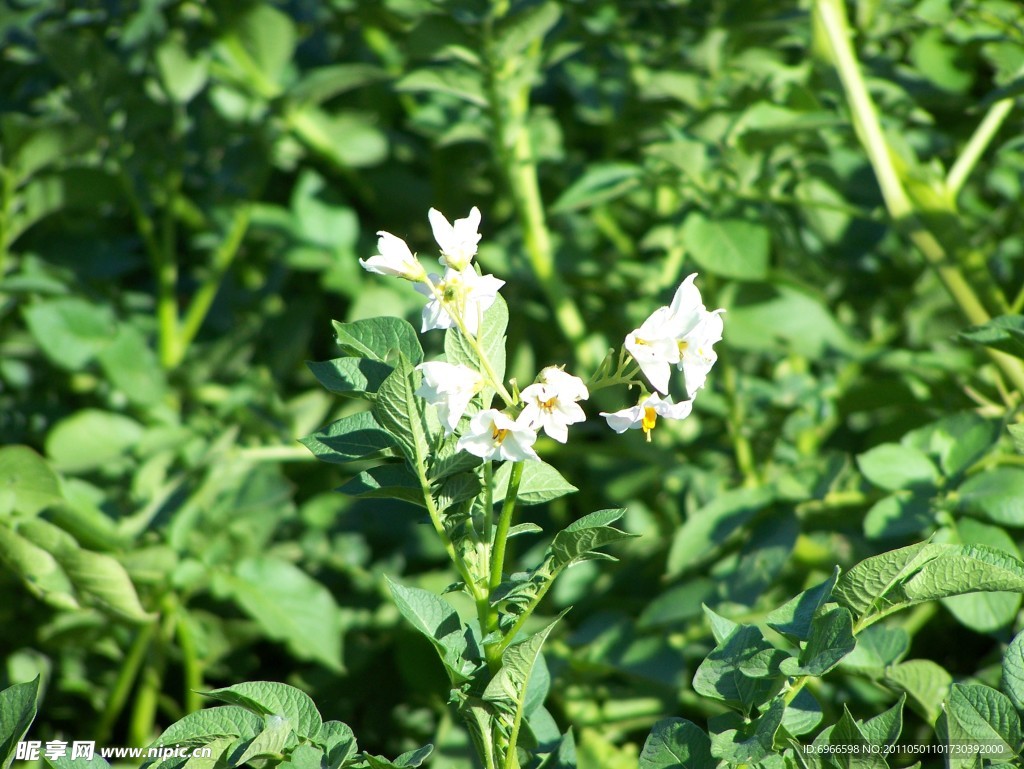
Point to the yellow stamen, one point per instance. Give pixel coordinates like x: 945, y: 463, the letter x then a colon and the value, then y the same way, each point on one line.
x: 683, y: 344
x: 548, y: 405
x: 649, y: 420
x: 497, y: 434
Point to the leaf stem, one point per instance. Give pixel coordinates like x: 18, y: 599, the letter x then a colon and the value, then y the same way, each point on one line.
x: 207, y: 292
x: 976, y: 145
x: 125, y: 680
x: 504, y: 524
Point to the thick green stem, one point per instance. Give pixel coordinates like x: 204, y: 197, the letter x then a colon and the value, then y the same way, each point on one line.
x: 203, y: 300
x: 497, y: 566
x: 832, y: 16
x: 191, y: 665
x: 125, y: 681
x: 509, y: 107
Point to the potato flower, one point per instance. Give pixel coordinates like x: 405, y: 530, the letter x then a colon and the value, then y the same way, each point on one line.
x: 449, y: 387
x: 645, y: 414
x: 457, y: 241
x: 551, y: 403
x: 461, y: 293
x: 394, y: 259
x: 494, y: 435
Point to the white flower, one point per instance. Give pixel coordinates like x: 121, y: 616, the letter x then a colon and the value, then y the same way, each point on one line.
x: 494, y: 435
x: 457, y: 241
x: 680, y: 335
x: 551, y: 404
x: 462, y: 293
x: 645, y: 414
x: 450, y: 387
x: 394, y: 259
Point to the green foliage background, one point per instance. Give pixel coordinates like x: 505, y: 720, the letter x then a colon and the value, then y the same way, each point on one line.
x: 186, y: 188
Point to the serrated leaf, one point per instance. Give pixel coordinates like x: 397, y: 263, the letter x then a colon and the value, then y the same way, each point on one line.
x: 733, y: 248
x: 17, y: 711
x: 894, y: 467
x: 540, y: 483
x: 376, y: 338
x: 350, y: 376
x: 28, y: 479
x: 675, y: 743
x: 271, y: 698
x: 925, y: 682
x: 794, y: 617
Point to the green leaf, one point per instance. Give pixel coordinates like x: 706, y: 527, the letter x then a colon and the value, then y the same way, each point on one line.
x: 26, y: 481
x: 65, y: 761
x: 707, y: 528
x: 517, y: 31
x: 71, y: 332
x: 794, y: 617
x: 878, y: 647
x: 304, y: 757
x: 675, y: 743
x: 352, y: 437
x: 268, y: 37
x: 288, y: 605
x: 182, y: 75
x: 1013, y: 671
x: 752, y: 743
x: 509, y: 686
x: 803, y: 714
x: 400, y: 411
x: 578, y: 541
x: 392, y: 481
x: 958, y: 440
x: 324, y: 83
x: 900, y: 514
x: 742, y: 670
x: 37, y: 568
x: 984, y: 612
x: 350, y: 376
x: 274, y: 699
x: 17, y: 711
x: 541, y: 483
x: 894, y: 467
x: 925, y: 682
x: 848, y: 733
x: 456, y: 80
x: 437, y: 621
x: 884, y: 729
x: 1017, y: 434
x: 338, y: 742
x: 1005, y: 333
x: 89, y: 439
x: 411, y: 758
x: 733, y: 248
x: 132, y: 367
x: 376, y: 338
x: 204, y: 726
x: 976, y: 715
x: 490, y: 337
x: 830, y: 640
x: 600, y: 183
x: 995, y: 495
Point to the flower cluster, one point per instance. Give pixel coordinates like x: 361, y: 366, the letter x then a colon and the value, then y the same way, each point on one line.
x: 681, y: 335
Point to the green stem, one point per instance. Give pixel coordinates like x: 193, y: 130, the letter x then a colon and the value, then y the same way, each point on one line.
x: 207, y: 292
x: 832, y: 16
x: 737, y: 420
x: 125, y: 680
x: 513, y: 149
x: 276, y: 454
x: 976, y: 145
x: 497, y: 566
x: 191, y: 666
